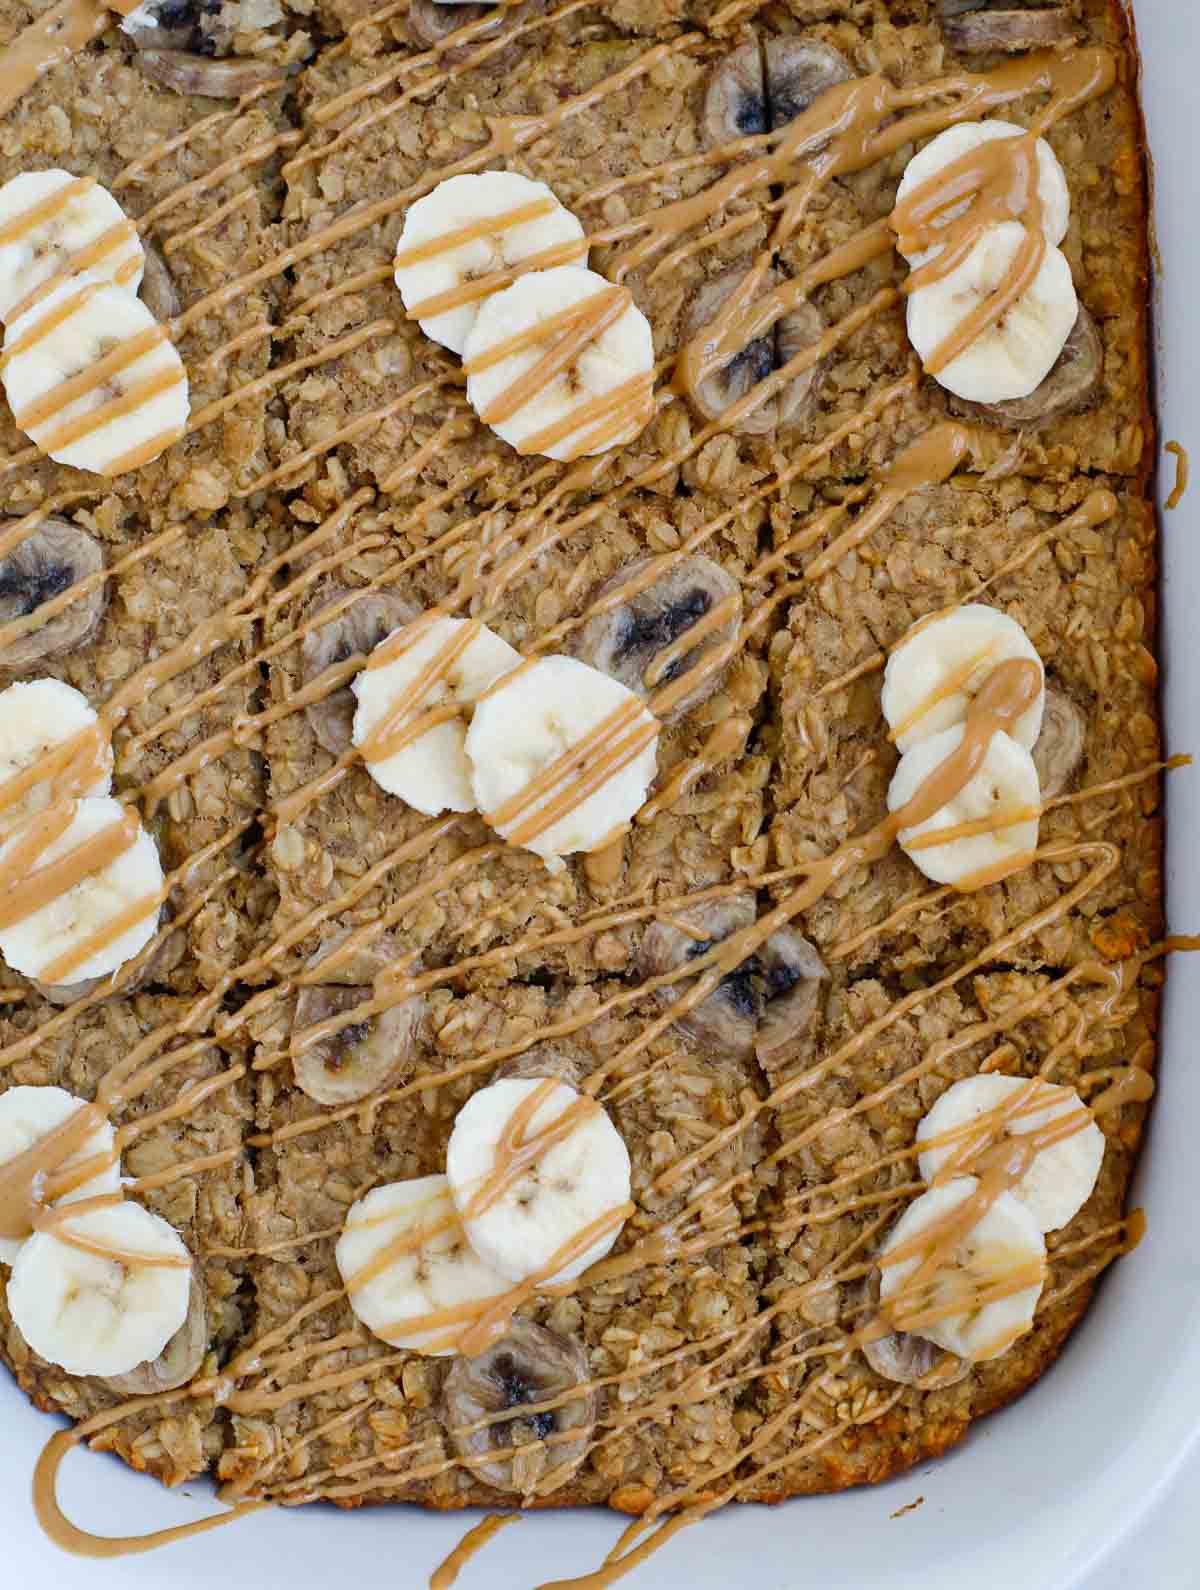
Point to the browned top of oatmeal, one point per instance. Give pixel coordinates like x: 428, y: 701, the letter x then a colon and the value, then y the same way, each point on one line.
x: 330, y: 456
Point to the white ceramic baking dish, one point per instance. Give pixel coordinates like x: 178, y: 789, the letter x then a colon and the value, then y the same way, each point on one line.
x: 1038, y: 1496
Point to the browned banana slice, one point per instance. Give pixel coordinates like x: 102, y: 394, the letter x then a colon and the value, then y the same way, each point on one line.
x: 185, y: 73
x: 1059, y: 748
x: 157, y: 969
x: 1008, y: 31
x: 626, y: 640
x: 735, y: 104
x: 157, y: 289
x: 793, y: 975
x: 180, y: 1358
x: 903, y: 1358
x: 542, y: 1062
x: 767, y: 1001
x: 799, y: 328
x: 47, y: 563
x: 429, y: 23
x: 358, y: 1059
x: 798, y: 71
x: 529, y: 1365
x: 355, y: 632
x: 1072, y: 385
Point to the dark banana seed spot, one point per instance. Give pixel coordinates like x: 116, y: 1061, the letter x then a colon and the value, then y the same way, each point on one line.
x: 757, y: 361
x: 781, y: 980
x: 31, y: 590
x: 752, y: 115
x: 654, y: 630
x: 741, y: 989
x: 517, y: 1390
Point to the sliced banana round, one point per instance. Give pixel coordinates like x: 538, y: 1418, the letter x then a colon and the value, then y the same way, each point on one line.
x: 52, y: 224
x: 425, y: 669
x: 531, y: 1454
x: 36, y: 719
x: 93, y: 379
x: 972, y: 1303
x: 561, y: 755
x: 358, y: 1059
x: 561, y: 363
x: 403, y: 1257
x: 29, y: 1114
x: 55, y: 557
x: 101, y: 1292
x: 1002, y: 800
x: 642, y: 642
x: 353, y: 632
x: 180, y: 1359
x: 471, y: 227
x: 802, y: 327
x: 958, y: 141
x: 768, y: 1007
x: 935, y: 671
x: 979, y: 1112
x: 1060, y: 745
x: 534, y: 1167
x: 97, y: 909
x: 1011, y: 358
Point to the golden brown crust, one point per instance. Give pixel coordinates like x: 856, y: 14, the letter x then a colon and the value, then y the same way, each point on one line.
x: 337, y: 427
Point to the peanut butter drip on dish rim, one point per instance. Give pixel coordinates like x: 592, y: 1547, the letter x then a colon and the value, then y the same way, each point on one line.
x: 1062, y: 76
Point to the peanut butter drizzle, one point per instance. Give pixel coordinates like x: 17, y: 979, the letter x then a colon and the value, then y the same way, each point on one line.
x: 727, y: 740
x: 47, y: 42
x: 474, y: 1540
x: 1182, y: 475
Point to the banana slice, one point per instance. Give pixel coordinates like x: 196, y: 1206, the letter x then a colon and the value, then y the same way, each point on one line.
x: 956, y: 142
x: 561, y: 363
x: 1011, y: 358
x: 935, y: 671
x: 980, y: 1111
x: 113, y: 911
x: 54, y: 224
x: 102, y: 1292
x: 93, y: 378
x: 1003, y: 791
x: 36, y: 720
x: 411, y: 1231
x: 561, y: 755
x: 469, y: 228
x: 534, y: 1168
x: 973, y: 1303
x: 29, y: 1114
x: 426, y: 669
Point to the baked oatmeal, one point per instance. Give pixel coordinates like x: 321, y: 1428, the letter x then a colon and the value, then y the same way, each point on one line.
x: 587, y: 839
